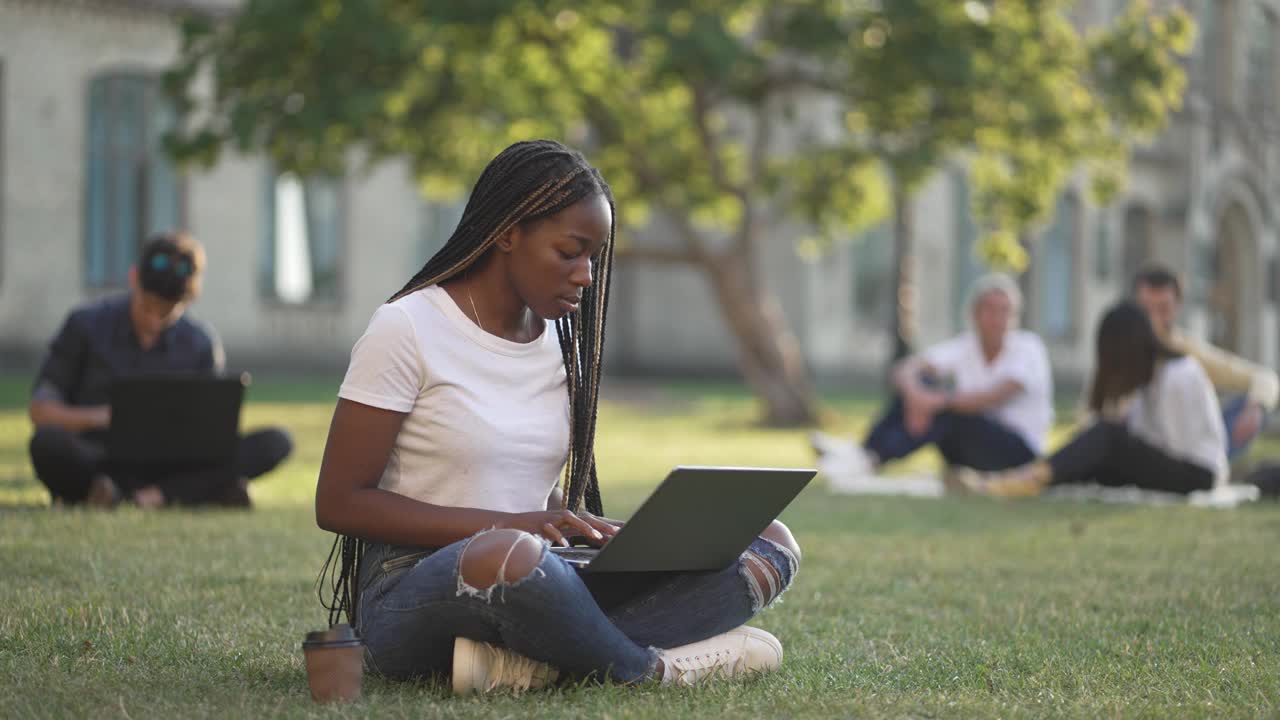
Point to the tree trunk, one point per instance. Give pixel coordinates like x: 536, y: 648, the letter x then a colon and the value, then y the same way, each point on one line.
x: 768, y: 353
x: 902, y: 316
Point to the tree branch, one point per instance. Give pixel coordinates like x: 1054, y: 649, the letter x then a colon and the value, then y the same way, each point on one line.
x: 701, y: 106
x: 656, y: 256
x: 647, y: 175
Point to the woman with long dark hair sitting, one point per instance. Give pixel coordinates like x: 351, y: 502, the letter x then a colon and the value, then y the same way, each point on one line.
x: 1156, y: 423
x: 470, y: 391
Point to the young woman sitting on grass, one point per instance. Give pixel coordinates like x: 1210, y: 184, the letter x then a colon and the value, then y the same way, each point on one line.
x: 1156, y: 425
x: 468, y: 393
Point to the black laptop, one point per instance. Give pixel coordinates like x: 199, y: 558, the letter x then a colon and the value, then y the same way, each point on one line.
x: 699, y: 518
x: 181, y: 419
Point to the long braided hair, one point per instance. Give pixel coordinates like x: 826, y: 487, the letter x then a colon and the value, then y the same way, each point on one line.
x: 524, y: 183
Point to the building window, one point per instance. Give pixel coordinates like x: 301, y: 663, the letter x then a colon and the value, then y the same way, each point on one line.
x: 1102, y: 248
x: 873, y: 276
x: 1273, y: 280
x: 968, y: 267
x: 1057, y: 300
x: 1207, y: 39
x: 1137, y: 240
x: 131, y: 188
x: 302, y: 239
x: 1260, y: 72
x: 439, y: 220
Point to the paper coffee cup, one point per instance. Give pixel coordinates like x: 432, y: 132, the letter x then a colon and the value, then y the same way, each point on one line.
x: 335, y: 663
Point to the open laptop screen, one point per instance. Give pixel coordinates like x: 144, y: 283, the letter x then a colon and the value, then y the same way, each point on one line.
x: 175, y: 419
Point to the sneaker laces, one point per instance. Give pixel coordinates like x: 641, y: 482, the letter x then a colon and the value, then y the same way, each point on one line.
x: 511, y: 669
x: 688, y: 669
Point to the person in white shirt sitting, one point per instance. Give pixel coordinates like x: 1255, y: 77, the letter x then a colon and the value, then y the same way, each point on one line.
x: 984, y: 398
x: 1156, y: 423
x: 1249, y: 391
x: 472, y: 393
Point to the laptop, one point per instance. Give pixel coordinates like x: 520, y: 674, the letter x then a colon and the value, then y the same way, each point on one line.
x: 175, y: 419
x: 699, y: 518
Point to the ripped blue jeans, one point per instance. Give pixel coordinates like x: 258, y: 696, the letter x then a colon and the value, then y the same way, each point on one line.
x: 413, y: 603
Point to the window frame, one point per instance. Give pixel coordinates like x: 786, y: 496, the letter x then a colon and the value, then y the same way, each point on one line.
x: 150, y: 84
x: 1068, y: 202
x: 265, y: 282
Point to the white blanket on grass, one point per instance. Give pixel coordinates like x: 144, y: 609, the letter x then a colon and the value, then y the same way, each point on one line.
x: 928, y: 485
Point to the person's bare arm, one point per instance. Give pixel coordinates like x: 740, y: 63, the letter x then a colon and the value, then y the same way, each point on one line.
x: 555, y: 500
x: 349, y: 501
x: 907, y: 374
x: 45, y: 412
x: 973, y: 403
x: 919, y: 401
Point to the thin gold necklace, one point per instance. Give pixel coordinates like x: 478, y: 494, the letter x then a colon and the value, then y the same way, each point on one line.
x: 474, y: 311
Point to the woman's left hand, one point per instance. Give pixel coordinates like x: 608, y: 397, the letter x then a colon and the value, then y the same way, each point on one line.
x: 608, y: 528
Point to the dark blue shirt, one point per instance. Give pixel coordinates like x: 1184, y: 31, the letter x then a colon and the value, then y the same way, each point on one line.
x: 97, y: 344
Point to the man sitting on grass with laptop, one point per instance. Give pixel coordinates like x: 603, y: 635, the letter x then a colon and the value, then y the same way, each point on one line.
x: 139, y: 333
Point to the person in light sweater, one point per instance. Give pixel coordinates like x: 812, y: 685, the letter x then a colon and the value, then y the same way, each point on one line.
x: 1155, y: 421
x: 471, y: 394
x: 1250, y: 391
x: 984, y: 398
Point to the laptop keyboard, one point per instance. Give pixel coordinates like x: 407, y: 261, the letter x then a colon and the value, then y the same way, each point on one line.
x: 575, y: 553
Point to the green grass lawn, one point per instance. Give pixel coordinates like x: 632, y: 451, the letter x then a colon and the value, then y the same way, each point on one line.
x: 903, y: 607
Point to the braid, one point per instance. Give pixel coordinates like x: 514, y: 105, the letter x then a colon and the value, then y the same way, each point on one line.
x: 527, y: 181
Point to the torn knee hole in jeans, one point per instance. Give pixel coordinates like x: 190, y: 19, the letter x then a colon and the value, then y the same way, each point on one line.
x: 500, y: 582
x: 765, y: 580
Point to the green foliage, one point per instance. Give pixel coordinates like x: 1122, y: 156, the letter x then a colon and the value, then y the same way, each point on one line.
x: 706, y: 110
x: 1017, y: 89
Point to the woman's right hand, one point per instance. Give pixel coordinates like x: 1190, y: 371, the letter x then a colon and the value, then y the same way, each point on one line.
x: 552, y: 524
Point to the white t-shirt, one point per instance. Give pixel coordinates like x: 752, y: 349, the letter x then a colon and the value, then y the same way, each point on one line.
x: 1023, y: 359
x: 488, y: 419
x: 1178, y: 412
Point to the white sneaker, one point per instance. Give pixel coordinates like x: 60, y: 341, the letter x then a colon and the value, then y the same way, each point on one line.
x: 481, y: 667
x: 840, y: 459
x: 824, y: 444
x: 737, y: 652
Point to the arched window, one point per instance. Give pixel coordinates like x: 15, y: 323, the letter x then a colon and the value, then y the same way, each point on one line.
x: 303, y: 227
x: 131, y: 187
x: 1057, y: 271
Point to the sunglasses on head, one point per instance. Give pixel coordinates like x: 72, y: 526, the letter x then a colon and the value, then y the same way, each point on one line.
x: 175, y: 262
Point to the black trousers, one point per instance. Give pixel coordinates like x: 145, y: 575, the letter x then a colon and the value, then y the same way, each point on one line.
x: 66, y: 462
x: 1108, y: 454
x: 972, y: 441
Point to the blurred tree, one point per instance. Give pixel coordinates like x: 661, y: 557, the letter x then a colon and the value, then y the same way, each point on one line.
x: 722, y: 116
x: 1016, y: 89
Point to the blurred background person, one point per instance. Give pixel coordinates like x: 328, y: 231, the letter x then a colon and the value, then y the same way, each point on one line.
x: 142, y: 331
x: 1156, y: 423
x: 983, y: 398
x: 1249, y: 391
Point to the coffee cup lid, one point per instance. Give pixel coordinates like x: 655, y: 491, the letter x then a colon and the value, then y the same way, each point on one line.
x: 340, y: 634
